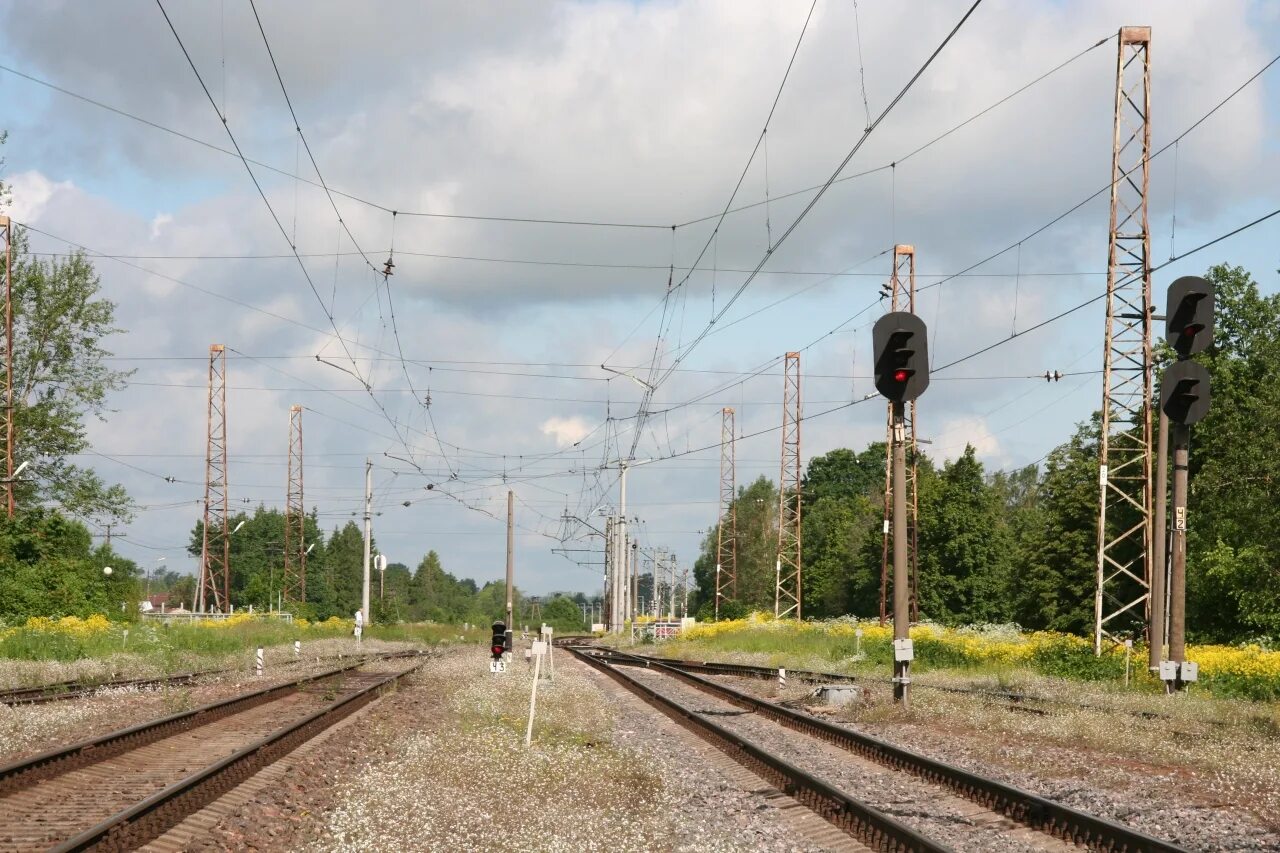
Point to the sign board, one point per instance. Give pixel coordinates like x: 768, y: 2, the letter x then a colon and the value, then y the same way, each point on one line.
x: 903, y: 650
x: 497, y: 666
x: 1179, y: 518
x: 1190, y: 671
x: 539, y: 647
x: 597, y: 627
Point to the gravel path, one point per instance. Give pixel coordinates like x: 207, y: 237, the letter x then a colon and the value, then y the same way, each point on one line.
x: 441, y: 765
x: 1191, y: 806
x: 931, y: 809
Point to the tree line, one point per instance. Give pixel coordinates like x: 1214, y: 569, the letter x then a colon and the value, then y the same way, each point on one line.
x: 1021, y: 546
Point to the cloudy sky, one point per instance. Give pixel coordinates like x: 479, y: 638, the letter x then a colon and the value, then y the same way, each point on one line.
x: 471, y: 119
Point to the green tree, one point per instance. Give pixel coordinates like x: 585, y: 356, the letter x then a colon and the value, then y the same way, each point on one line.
x: 60, y: 376
x: 1053, y: 576
x: 562, y: 614
x: 963, y: 547
x: 756, y: 509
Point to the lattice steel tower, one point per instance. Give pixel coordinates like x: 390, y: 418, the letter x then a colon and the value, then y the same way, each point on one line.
x: 902, y: 297
x: 294, y: 580
x: 727, y: 530
x: 215, y: 563
x: 1124, y: 475
x: 7, y: 404
x: 786, y: 594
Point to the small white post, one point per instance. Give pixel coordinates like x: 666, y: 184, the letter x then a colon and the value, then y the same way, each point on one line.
x: 533, y: 696
x: 297, y: 649
x: 857, y: 639
x: 124, y: 642
x: 551, y: 659
x: 258, y: 661
x: 1128, y: 652
x: 782, y: 679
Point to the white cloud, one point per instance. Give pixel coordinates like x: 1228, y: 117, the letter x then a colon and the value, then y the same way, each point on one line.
x: 565, y: 431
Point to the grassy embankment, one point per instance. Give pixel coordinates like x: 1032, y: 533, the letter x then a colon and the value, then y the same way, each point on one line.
x: 195, y: 644
x: 1001, y: 653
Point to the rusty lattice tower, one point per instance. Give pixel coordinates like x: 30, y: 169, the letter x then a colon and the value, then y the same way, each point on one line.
x: 727, y: 530
x: 294, y: 580
x: 902, y: 297
x: 7, y: 404
x: 215, y: 563
x: 786, y: 596
x: 1124, y: 445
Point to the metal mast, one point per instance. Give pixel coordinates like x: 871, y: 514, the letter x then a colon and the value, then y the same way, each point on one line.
x: 727, y: 540
x: 786, y: 595
x: 7, y: 405
x: 215, y: 568
x: 294, y: 581
x: 902, y: 297
x: 1124, y: 445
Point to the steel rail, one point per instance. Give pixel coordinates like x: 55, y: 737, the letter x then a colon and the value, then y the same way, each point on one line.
x: 54, y: 762
x: 869, y: 825
x: 1025, y: 807
x: 163, y: 810
x: 1018, y: 701
x: 62, y: 690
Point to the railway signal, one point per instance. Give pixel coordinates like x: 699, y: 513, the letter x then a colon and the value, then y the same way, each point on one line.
x: 497, y: 646
x: 1189, y: 320
x: 900, y: 342
x: 1184, y: 392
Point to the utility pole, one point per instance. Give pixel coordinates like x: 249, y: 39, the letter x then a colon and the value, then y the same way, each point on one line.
x: 786, y: 590
x: 293, y: 581
x: 8, y: 407
x: 1178, y: 568
x: 634, y: 570
x: 1124, y: 569
x: 727, y: 541
x: 620, y: 537
x: 511, y: 551
x: 368, y: 538
x: 215, y: 565
x: 901, y: 291
x: 901, y: 588
x: 1160, y: 537
x: 610, y: 592
x: 107, y: 537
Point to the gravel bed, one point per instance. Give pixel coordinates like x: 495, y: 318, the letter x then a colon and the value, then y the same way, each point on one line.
x: 1218, y: 791
x: 441, y: 765
x: 931, y: 809
x: 26, y: 730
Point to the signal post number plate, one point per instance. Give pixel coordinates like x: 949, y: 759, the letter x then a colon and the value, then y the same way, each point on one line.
x: 497, y: 666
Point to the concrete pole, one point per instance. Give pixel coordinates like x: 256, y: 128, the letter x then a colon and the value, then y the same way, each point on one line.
x: 511, y: 551
x: 1178, y: 571
x: 635, y: 581
x: 901, y: 583
x: 368, y: 538
x: 624, y: 588
x: 1159, y: 539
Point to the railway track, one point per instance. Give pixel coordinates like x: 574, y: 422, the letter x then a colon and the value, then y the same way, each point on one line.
x: 1015, y: 701
x: 64, y: 690
x: 734, y: 721
x: 123, y: 789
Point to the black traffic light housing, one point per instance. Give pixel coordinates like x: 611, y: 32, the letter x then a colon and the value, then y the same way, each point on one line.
x: 1184, y: 392
x: 901, y: 347
x: 1189, y: 315
x: 498, y: 643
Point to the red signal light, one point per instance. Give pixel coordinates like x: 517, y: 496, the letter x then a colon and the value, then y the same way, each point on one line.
x: 497, y: 649
x: 901, y: 375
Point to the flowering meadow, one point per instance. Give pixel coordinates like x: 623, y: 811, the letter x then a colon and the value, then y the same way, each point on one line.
x: 1246, y: 671
x: 72, y: 638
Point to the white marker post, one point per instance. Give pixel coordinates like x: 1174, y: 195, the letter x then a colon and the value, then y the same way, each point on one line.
x: 782, y: 679
x: 359, y: 626
x: 1128, y: 651
x: 257, y: 661
x: 124, y: 642
x: 551, y: 658
x: 539, y: 649
x: 297, y: 649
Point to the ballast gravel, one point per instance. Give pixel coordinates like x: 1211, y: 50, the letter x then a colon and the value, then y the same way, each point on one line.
x: 1114, y: 765
x: 930, y: 809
